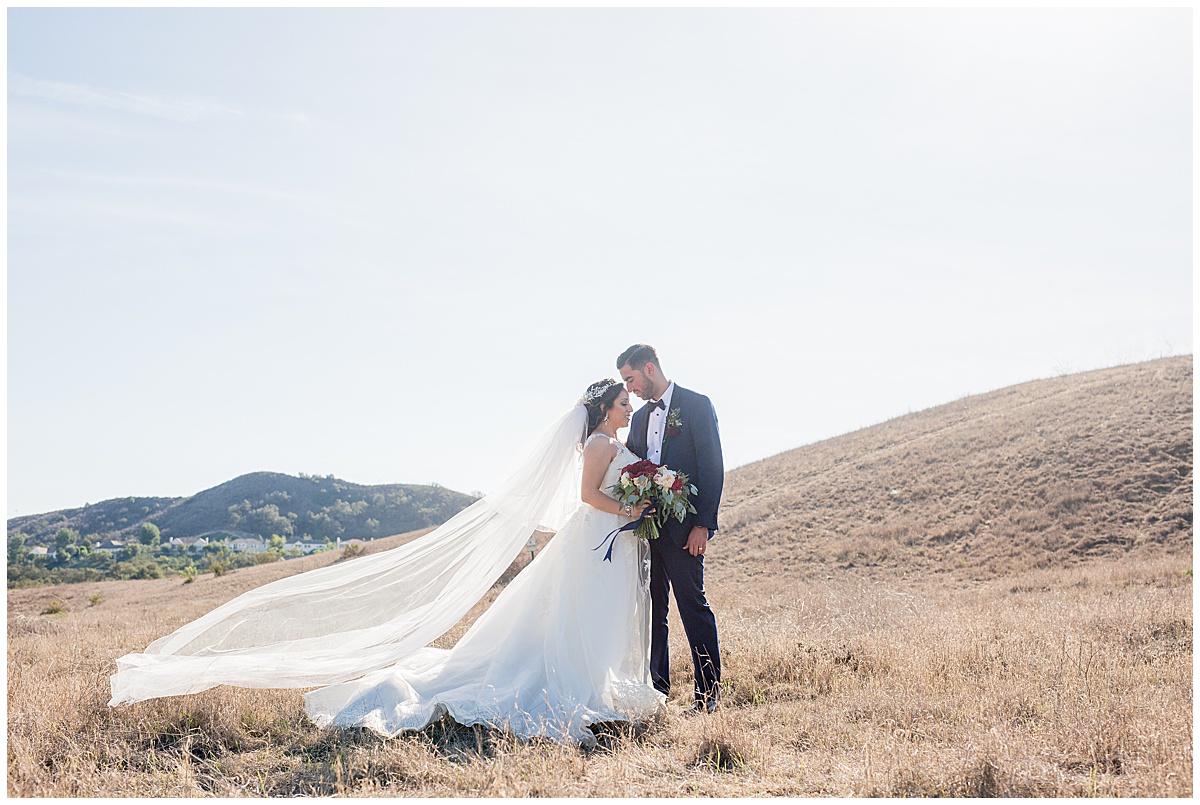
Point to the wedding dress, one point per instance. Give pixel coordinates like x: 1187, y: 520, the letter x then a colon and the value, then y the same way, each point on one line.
x: 564, y: 646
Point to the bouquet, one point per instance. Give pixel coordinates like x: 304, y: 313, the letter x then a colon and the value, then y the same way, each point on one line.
x: 666, y: 489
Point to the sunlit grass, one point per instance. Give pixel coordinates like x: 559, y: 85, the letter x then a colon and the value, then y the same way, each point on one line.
x: 1074, y: 682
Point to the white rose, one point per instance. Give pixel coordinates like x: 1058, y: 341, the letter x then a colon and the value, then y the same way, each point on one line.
x: 665, y: 479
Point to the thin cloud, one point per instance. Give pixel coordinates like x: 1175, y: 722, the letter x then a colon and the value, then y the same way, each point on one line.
x: 64, y: 208
x: 331, y: 211
x: 236, y: 188
x: 181, y: 111
x: 173, y: 217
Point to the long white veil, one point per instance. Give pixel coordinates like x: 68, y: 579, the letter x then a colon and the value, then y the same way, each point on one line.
x: 336, y: 623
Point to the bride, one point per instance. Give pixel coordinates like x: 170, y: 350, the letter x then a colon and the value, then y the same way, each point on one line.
x: 563, y: 647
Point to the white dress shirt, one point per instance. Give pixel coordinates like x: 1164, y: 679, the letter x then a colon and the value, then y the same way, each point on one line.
x: 657, y: 427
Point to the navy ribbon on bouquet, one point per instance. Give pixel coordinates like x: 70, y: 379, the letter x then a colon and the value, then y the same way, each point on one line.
x: 613, y: 535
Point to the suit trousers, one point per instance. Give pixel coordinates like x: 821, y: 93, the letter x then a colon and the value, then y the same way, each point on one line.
x: 672, y: 567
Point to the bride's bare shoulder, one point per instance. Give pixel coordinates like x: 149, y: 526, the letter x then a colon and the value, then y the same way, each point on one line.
x: 600, y: 445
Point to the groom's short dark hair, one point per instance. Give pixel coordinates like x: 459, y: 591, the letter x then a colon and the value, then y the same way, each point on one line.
x: 637, y: 356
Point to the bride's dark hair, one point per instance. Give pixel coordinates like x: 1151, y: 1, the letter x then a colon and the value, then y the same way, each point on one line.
x: 598, y: 398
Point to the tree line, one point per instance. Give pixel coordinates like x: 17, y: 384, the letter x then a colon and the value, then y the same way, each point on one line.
x: 75, y: 559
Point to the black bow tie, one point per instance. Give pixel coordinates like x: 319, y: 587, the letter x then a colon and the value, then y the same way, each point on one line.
x: 659, y: 404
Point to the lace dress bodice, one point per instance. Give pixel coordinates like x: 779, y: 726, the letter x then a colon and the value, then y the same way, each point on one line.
x: 621, y: 460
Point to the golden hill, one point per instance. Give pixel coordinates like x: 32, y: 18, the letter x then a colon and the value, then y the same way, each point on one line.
x: 1043, y: 474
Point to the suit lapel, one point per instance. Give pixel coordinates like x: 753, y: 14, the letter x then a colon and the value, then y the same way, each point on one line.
x: 637, y: 431
x: 645, y: 411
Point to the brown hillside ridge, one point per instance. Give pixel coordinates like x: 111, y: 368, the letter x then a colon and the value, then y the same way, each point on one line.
x: 1045, y: 474
x: 989, y: 598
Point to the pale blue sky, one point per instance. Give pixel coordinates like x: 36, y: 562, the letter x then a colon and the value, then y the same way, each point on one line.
x: 394, y: 244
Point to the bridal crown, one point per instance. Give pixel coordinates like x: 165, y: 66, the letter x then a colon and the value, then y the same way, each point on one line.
x: 595, y: 392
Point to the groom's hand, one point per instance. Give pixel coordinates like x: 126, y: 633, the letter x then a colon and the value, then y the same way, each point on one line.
x: 697, y: 541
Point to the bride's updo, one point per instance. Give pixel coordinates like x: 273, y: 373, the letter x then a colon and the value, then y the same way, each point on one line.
x: 598, y: 398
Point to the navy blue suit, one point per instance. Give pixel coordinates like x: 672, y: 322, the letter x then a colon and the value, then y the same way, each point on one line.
x: 696, y: 452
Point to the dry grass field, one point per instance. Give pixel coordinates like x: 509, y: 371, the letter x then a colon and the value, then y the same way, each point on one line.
x: 1016, y: 620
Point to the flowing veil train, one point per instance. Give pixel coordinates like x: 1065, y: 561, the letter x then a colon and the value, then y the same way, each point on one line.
x: 337, y: 623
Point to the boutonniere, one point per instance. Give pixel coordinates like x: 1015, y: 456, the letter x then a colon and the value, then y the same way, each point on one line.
x: 674, y: 423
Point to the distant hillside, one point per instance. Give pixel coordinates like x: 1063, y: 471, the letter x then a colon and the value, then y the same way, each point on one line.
x: 1047, y: 473
x: 262, y: 503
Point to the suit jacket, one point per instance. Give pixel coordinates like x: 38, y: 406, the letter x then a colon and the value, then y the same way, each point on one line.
x: 694, y: 451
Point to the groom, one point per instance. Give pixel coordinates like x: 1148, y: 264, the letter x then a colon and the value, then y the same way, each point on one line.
x: 678, y: 428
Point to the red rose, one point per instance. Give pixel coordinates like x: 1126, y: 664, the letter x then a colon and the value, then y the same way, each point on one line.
x: 640, y: 468
x: 678, y: 485
x: 673, y: 431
